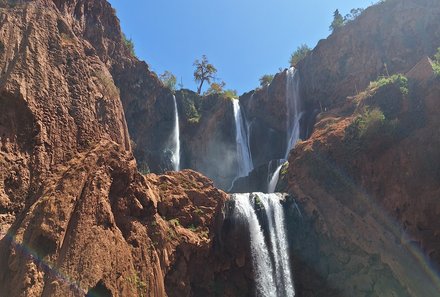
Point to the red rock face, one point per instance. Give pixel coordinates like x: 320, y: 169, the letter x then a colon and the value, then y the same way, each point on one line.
x: 100, y: 223
x: 387, y: 38
x: 375, y: 196
x: 57, y: 99
x: 83, y: 219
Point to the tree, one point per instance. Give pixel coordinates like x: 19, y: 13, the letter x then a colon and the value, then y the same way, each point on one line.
x: 354, y: 13
x: 266, y: 79
x: 338, y: 21
x: 204, y: 72
x: 301, y: 52
x: 215, y: 88
x: 169, y: 80
x: 231, y: 94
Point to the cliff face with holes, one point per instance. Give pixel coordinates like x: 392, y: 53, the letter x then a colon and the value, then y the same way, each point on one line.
x: 76, y: 216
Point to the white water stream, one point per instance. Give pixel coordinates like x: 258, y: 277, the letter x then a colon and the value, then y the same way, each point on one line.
x: 270, y: 256
x: 176, y: 138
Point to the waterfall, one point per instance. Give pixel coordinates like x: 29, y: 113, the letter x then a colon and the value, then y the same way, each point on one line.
x: 293, y: 109
x: 270, y: 256
x: 274, y: 179
x: 243, y: 152
x: 293, y: 118
x: 176, y: 138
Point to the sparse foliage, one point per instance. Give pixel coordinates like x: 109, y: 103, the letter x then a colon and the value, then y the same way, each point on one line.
x: 169, y: 80
x: 129, y: 44
x: 231, y: 93
x: 218, y: 88
x: 301, y: 52
x: 339, y: 20
x: 397, y: 79
x: 354, y: 13
x: 266, y: 79
x: 436, y: 62
x: 204, y: 72
x: 215, y: 88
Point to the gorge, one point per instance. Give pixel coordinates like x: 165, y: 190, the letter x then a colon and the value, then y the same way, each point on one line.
x: 100, y: 190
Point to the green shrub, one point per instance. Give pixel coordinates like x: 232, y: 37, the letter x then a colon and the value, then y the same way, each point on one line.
x: 301, y: 52
x: 191, y: 104
x: 139, y: 284
x: 174, y: 222
x: 370, y: 122
x: 266, y: 80
x: 436, y: 63
x: 128, y: 42
x: 169, y: 80
x: 230, y: 94
x: 398, y: 79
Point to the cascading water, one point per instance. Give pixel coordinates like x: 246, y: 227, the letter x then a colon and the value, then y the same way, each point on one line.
x: 292, y: 121
x: 270, y: 256
x: 176, y: 138
x: 274, y: 179
x: 243, y: 152
x: 293, y: 109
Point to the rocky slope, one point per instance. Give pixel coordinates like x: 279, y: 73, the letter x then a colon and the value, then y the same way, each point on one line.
x: 389, y: 37
x: 368, y: 180
x: 101, y: 226
x: 57, y: 99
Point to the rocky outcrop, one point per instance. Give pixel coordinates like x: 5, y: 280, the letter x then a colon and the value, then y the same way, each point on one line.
x: 389, y: 37
x: 76, y: 217
x: 57, y: 98
x: 366, y: 179
x: 208, y: 136
x: 100, y: 225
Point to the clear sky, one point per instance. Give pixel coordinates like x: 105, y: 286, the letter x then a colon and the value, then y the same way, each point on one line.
x: 244, y: 39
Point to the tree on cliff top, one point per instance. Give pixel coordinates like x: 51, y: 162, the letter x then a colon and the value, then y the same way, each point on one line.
x: 169, y: 80
x: 204, y: 72
x: 338, y: 21
x: 301, y: 52
x: 266, y: 79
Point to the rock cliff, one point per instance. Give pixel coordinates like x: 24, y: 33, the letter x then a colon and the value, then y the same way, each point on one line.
x: 367, y: 181
x: 76, y: 216
x: 389, y: 37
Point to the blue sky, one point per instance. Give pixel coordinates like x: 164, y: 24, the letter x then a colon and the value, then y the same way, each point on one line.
x: 244, y: 39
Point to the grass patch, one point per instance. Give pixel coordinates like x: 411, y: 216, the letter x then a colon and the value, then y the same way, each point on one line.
x: 397, y: 79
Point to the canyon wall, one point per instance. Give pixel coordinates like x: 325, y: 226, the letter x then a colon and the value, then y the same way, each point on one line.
x: 77, y: 218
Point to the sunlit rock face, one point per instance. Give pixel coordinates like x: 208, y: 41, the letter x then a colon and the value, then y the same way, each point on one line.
x: 80, y: 115
x: 390, y: 37
x: 371, y: 192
